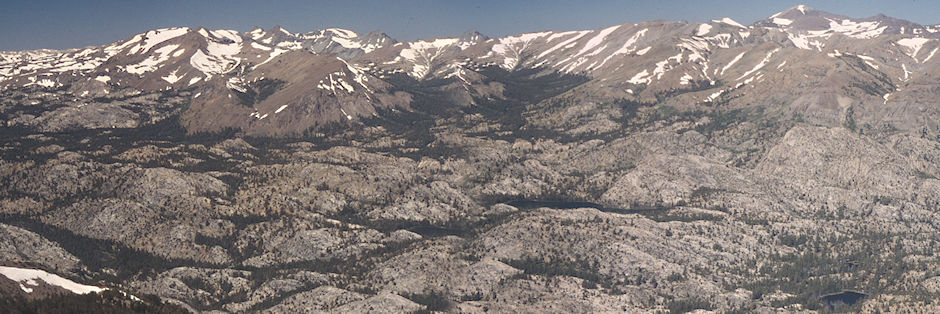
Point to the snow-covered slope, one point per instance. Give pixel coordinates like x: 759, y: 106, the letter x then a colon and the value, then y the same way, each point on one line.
x: 28, y: 279
x: 175, y: 57
x: 699, y: 63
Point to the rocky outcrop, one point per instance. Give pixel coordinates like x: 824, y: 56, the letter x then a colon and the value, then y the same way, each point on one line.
x: 22, y: 246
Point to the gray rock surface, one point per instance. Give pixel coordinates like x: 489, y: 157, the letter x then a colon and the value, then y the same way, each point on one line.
x: 18, y: 245
x: 651, y: 167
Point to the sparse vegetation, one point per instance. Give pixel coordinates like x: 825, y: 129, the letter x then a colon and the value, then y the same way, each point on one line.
x: 108, y: 301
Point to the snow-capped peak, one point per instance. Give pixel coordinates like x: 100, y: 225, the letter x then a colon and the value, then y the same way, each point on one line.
x: 802, y: 8
x: 470, y: 38
x: 729, y: 21
x: 148, y: 40
x: 345, y: 33
x: 791, y: 12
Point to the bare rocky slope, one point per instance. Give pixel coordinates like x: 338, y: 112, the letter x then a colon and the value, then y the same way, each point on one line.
x: 790, y: 165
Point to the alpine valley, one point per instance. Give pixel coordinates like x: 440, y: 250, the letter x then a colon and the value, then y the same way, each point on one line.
x: 785, y: 166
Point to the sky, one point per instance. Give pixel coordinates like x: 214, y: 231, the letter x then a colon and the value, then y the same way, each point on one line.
x: 60, y: 24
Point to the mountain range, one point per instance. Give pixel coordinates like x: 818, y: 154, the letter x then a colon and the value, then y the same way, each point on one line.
x: 274, y: 82
x: 790, y: 165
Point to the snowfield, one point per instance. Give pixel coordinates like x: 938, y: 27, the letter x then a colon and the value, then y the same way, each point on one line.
x: 27, y: 277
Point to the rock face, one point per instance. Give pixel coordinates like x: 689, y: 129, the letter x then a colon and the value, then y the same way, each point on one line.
x: 22, y: 246
x: 646, y: 167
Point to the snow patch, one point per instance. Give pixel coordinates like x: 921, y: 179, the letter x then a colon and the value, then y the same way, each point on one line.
x: 343, y: 32
x: 782, y: 21
x: 640, y: 78
x: 256, y: 115
x: 663, y: 66
x: 236, y: 84
x: 219, y: 55
x: 423, y: 54
x: 291, y: 45
x: 256, y: 34
x: 860, y: 30
x: 733, y: 61
x: 729, y: 21
x: 272, y: 55
x: 347, y: 43
x: 172, y: 78
x: 46, y: 83
x: 703, y: 29
x: 335, y: 81
x: 932, y: 52
x: 359, y: 75
x: 511, y: 48
x: 759, y: 65
x: 714, y: 96
x: 29, y: 277
x: 804, y: 42
x: 628, y: 46
x: 596, y: 40
x: 913, y: 45
x: 868, y: 60
x: 565, y: 43
x: 155, y: 37
x: 698, y: 46
x: 154, y: 61
x: 103, y: 78
x: 260, y: 46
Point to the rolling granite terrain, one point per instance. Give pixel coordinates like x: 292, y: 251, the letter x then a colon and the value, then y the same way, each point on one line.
x: 791, y: 165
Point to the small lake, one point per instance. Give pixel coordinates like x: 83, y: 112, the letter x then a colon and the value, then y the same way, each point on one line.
x: 844, y: 298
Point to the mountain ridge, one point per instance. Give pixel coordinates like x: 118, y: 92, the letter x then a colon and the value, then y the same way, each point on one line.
x: 659, y: 166
x: 688, y: 61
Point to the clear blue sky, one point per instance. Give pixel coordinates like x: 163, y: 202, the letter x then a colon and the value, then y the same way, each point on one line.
x: 58, y: 24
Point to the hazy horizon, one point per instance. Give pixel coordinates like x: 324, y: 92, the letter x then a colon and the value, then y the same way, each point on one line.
x: 30, y: 25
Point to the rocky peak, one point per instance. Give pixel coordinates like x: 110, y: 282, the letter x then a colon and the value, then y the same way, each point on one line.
x: 278, y: 29
x: 803, y: 20
x: 472, y: 37
x: 800, y: 18
x: 795, y: 11
x: 898, y: 26
x: 377, y: 38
